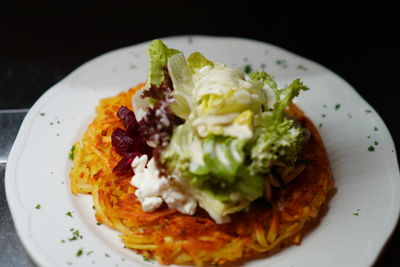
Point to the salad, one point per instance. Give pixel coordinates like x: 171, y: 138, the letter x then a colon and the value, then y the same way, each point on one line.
x: 203, y: 134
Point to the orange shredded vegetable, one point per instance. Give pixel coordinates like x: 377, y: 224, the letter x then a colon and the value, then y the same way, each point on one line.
x: 174, y: 238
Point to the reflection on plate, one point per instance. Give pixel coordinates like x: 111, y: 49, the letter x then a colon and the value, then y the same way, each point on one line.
x: 59, y: 229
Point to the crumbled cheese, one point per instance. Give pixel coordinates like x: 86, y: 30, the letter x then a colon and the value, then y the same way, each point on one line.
x: 153, y: 190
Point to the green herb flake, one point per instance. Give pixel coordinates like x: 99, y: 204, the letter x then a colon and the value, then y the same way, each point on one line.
x: 42, y: 114
x: 38, y: 207
x: 71, y: 153
x: 280, y: 62
x: 94, y: 207
x: 368, y: 111
x: 62, y: 241
x: 69, y: 214
x: 79, y: 252
x: 349, y: 115
x: 337, y: 106
x: 98, y: 223
x: 324, y: 106
x: 147, y: 258
x: 376, y: 143
x: 89, y: 253
x: 301, y: 67
x: 105, y: 254
x: 263, y: 65
x: 323, y: 115
x: 371, y: 148
x: 357, y: 213
x: 375, y: 129
x: 75, y: 235
x: 51, y: 123
x: 368, y: 136
x: 320, y: 125
x: 247, y: 69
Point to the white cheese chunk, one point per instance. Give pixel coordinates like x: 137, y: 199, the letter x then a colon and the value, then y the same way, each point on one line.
x: 152, y: 190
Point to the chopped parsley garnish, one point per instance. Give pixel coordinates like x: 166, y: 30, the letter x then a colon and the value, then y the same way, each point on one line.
x: 301, y: 67
x: 62, y: 241
x: 71, y: 154
x: 88, y: 253
x: 51, y: 123
x: 323, y: 115
x: 371, y: 148
x: 98, y: 223
x: 337, y: 106
x: 376, y: 143
x: 37, y: 206
x: 147, y: 258
x: 105, y: 254
x: 375, y: 129
x: 75, y: 235
x: 368, y: 136
x: 320, y: 125
x: 357, y: 213
x: 42, y: 114
x: 69, y: 214
x: 281, y: 62
x: 368, y: 111
x: 79, y: 252
x: 247, y: 69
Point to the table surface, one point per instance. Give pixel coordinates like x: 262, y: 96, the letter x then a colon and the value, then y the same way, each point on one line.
x: 43, y: 44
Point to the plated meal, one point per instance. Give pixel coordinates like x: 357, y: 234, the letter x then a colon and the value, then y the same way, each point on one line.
x: 203, y: 163
x: 213, y: 204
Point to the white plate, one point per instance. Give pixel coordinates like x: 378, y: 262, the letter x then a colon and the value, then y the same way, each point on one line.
x: 361, y: 215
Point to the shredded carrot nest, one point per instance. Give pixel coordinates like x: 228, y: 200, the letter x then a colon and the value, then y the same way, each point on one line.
x: 174, y: 238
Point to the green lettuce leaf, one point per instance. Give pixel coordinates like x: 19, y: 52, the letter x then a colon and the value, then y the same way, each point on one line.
x: 266, y: 79
x: 158, y: 54
x: 181, y: 77
x: 197, y: 61
x: 223, y: 157
x: 286, y: 96
x: 249, y: 185
x: 275, y: 142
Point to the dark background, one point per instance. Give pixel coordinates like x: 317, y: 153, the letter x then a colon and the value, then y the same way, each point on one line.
x: 42, y: 43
